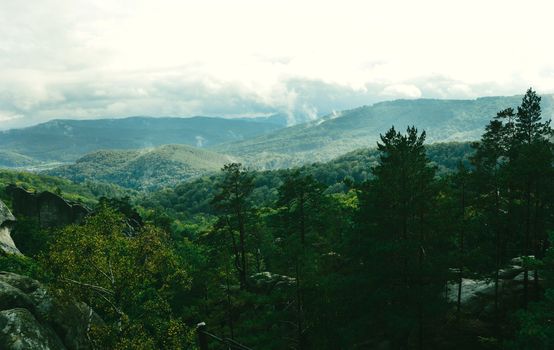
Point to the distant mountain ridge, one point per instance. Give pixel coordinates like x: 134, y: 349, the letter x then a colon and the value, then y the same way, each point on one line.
x: 260, y: 142
x: 67, y: 140
x: 342, y: 132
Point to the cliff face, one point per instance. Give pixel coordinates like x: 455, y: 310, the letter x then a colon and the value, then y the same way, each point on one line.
x: 48, y: 208
x: 6, y: 221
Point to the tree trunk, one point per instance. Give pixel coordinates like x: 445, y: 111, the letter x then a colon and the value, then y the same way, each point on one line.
x: 461, y: 262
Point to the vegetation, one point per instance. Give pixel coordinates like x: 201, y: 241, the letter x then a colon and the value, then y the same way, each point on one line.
x: 401, y: 247
x: 38, y: 183
x: 345, y: 131
x: 147, y: 169
x: 68, y: 140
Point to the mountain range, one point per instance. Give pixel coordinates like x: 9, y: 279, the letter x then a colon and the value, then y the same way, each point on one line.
x: 68, y: 140
x: 144, y: 153
x: 341, y: 132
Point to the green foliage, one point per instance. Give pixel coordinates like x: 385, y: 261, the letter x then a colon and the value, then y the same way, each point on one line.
x: 536, y: 330
x: 133, y: 283
x: 365, y: 251
x: 336, y: 134
x: 193, y: 197
x: 29, y: 237
x: 395, y: 224
x: 147, y: 169
x: 21, y: 265
x: 39, y: 183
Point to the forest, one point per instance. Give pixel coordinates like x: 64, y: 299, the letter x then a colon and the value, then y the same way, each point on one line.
x: 406, y: 246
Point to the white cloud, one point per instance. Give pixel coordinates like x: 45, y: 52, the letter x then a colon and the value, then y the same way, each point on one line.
x: 77, y: 58
x: 402, y: 90
x: 6, y: 116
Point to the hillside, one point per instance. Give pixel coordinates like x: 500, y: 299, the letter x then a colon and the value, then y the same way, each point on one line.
x: 84, y: 193
x: 193, y: 197
x: 143, y: 169
x: 10, y: 159
x: 334, y: 135
x: 68, y: 140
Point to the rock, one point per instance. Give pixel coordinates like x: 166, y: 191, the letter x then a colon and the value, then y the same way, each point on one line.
x: 478, y: 295
x: 267, y: 281
x: 48, y: 208
x: 519, y: 259
x: 32, y: 318
x: 21, y: 330
x: 5, y: 214
x: 6, y: 222
x: 530, y: 276
x: 510, y: 272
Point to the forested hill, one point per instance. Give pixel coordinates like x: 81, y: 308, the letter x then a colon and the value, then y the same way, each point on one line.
x: 67, y: 140
x: 336, y: 134
x: 144, y: 169
x: 170, y: 165
x: 193, y: 197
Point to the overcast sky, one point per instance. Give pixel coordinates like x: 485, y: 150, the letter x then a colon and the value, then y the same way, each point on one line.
x: 89, y: 59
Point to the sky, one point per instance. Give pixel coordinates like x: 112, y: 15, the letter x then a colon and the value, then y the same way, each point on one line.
x: 235, y: 58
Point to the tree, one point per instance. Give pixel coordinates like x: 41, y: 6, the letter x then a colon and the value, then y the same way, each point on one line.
x: 233, y: 203
x: 132, y: 282
x: 396, y: 218
x: 489, y: 161
x: 530, y: 169
x: 299, y: 198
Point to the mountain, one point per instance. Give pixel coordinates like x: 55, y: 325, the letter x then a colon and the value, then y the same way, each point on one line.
x: 339, y: 133
x: 280, y: 119
x: 67, y: 140
x: 10, y: 159
x: 143, y: 169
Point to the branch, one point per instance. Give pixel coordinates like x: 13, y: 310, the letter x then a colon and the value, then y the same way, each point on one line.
x: 91, y: 286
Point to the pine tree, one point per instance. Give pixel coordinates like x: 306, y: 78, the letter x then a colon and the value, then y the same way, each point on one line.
x: 299, y: 198
x: 233, y: 203
x: 396, y: 212
x: 531, y: 169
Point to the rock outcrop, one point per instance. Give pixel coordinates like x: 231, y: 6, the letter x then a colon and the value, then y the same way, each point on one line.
x: 478, y: 296
x: 6, y: 221
x: 32, y: 318
x: 48, y: 208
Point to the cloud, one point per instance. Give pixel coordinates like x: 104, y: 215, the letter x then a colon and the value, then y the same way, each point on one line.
x: 90, y: 59
x: 402, y: 90
x: 6, y: 116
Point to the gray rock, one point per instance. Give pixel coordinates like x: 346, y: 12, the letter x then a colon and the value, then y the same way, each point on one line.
x: 6, y: 221
x: 32, y: 318
x: 510, y: 272
x: 267, y: 281
x: 5, y: 214
x: 19, y: 329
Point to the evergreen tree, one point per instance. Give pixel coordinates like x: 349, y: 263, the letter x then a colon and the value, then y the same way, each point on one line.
x: 300, y: 198
x: 233, y: 203
x: 531, y: 170
x: 396, y: 210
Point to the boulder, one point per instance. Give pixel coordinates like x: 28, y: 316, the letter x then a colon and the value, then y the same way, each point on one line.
x: 50, y: 209
x: 6, y: 222
x: 267, y: 281
x: 21, y: 330
x: 32, y: 318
